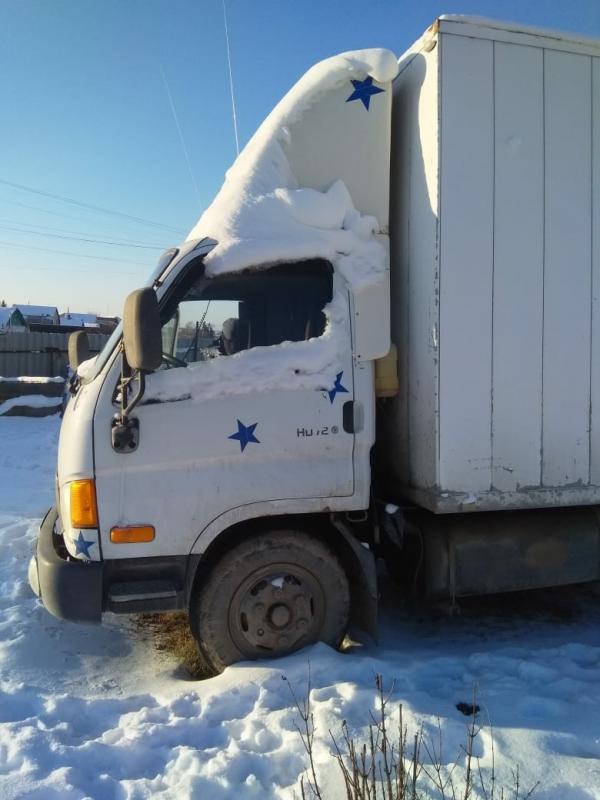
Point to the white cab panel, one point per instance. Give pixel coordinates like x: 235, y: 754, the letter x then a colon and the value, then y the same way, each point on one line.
x: 199, y: 459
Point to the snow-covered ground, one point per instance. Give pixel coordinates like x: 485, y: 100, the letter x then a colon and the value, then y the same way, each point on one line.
x: 97, y: 713
x: 30, y: 401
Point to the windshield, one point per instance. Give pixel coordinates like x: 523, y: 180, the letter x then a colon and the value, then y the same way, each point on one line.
x: 103, y: 356
x: 157, y: 276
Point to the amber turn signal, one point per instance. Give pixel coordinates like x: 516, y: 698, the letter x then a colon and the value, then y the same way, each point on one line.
x: 132, y: 535
x: 83, y: 504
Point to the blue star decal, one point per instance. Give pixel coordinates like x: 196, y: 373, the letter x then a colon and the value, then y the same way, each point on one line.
x: 363, y: 90
x: 245, y: 434
x: 337, y: 387
x: 82, y: 545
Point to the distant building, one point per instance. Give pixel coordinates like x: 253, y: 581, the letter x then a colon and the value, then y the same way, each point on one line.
x: 108, y: 324
x: 39, y: 315
x: 75, y: 320
x: 11, y: 320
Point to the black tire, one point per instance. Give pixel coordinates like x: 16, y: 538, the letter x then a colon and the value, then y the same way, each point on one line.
x: 268, y: 596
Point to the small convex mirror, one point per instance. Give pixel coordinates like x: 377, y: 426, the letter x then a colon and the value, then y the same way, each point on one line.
x: 142, y: 338
x: 79, y: 349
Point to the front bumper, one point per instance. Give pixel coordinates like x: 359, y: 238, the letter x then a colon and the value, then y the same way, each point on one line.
x: 69, y: 589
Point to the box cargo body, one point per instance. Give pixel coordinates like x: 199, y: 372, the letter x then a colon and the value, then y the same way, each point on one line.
x: 495, y: 265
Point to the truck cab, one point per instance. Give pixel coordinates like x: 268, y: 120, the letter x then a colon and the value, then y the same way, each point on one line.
x: 213, y: 456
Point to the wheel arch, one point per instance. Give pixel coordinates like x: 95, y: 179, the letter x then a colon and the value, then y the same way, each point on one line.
x: 357, y: 561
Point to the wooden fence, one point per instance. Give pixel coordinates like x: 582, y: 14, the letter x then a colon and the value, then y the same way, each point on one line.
x: 39, y: 354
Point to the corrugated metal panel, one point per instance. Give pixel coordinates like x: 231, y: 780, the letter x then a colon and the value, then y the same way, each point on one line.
x: 519, y: 277
x: 466, y: 214
x: 39, y: 354
x: 518, y: 266
x: 595, y: 392
x: 414, y: 277
x: 567, y: 269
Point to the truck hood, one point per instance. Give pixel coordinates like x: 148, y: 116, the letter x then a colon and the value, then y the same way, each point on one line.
x: 75, y: 445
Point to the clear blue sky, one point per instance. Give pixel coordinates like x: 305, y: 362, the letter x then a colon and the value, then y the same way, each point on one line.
x: 86, y: 115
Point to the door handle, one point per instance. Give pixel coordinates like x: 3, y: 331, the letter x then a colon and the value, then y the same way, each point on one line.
x: 348, y: 416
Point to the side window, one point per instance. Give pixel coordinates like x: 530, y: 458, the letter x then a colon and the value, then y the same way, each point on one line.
x: 231, y: 313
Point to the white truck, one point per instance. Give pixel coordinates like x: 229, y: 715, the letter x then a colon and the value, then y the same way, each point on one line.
x: 381, y: 339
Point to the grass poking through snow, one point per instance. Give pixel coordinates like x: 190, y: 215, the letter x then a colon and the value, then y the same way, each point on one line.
x: 171, y: 633
x: 389, y: 763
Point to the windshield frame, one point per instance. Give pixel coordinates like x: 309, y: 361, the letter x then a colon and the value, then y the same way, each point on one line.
x: 165, y: 281
x: 104, y: 354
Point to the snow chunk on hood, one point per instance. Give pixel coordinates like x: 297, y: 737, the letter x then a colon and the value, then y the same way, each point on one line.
x: 86, y: 369
x: 261, y: 215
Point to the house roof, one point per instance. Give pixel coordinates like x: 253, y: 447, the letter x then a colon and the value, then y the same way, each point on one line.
x: 37, y: 311
x: 7, y: 312
x: 76, y: 320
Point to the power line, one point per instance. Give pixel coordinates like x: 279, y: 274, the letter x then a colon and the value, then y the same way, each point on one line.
x: 54, y: 213
x: 235, y: 128
x: 77, y: 255
x: 81, y: 204
x: 118, y: 239
x: 43, y: 210
x: 80, y: 238
x: 180, y: 132
x: 104, y: 271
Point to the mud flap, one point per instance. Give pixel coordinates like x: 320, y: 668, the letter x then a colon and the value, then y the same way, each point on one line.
x: 360, y: 564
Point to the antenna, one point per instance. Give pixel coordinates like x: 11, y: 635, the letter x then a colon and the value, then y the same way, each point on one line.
x: 235, y: 128
x: 180, y: 132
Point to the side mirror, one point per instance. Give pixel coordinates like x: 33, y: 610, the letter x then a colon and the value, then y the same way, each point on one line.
x: 78, y: 349
x: 142, y: 338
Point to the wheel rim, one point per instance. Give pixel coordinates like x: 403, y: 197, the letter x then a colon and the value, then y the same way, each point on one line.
x: 276, y: 610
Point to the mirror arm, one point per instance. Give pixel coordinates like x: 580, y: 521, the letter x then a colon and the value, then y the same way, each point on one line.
x: 138, y: 395
x: 73, y: 383
x: 125, y: 430
x: 141, y: 353
x: 127, y: 377
x: 124, y: 382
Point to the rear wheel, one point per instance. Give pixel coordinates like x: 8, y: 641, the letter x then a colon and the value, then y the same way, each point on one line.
x: 270, y: 595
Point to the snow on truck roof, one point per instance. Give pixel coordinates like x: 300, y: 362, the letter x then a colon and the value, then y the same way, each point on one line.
x: 513, y: 27
x: 273, y: 206
x: 276, y: 205
x: 496, y: 30
x: 303, y: 188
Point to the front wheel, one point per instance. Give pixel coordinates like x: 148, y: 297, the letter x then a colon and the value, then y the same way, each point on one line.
x: 270, y: 595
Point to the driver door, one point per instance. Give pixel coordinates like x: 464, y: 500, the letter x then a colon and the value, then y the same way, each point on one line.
x: 247, y: 408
